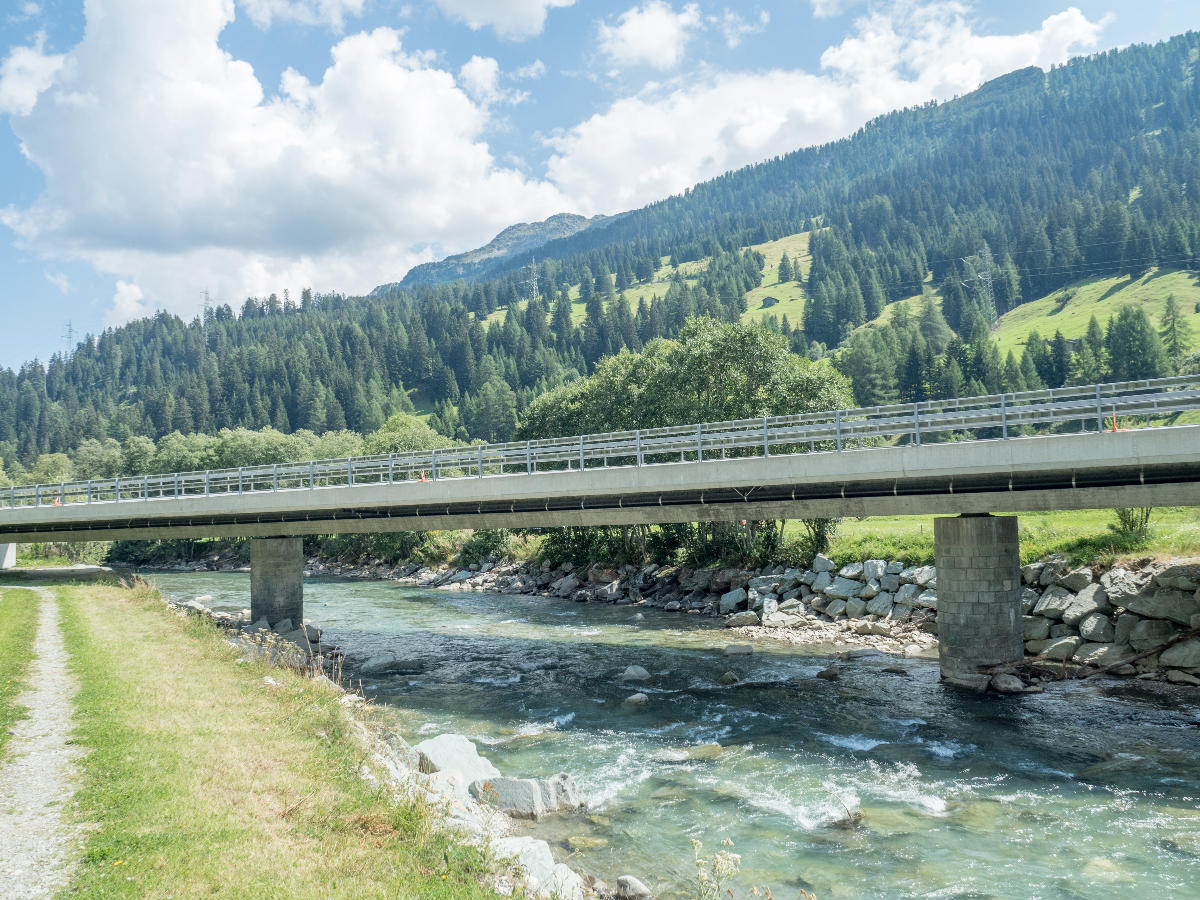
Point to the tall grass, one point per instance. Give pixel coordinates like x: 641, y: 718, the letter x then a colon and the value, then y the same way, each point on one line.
x: 18, y: 627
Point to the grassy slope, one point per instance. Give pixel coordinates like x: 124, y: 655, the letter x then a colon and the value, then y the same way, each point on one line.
x: 18, y: 624
x: 1070, y: 309
x: 203, y: 781
x: 1081, y: 535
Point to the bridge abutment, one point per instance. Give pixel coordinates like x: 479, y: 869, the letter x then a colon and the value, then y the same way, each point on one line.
x: 8, y: 556
x: 277, y: 579
x: 979, y: 595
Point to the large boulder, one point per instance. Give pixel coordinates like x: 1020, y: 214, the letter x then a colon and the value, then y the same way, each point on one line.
x: 529, y: 798
x: 856, y: 608
x: 1101, y: 654
x: 634, y: 673
x: 1176, y: 606
x: 453, y: 752
x: 529, y: 854
x: 843, y: 588
x: 927, y: 599
x: 908, y: 594
x: 835, y: 608
x: 565, y: 586
x: 1185, y: 655
x: 630, y: 888
x: 881, y: 606
x: 852, y: 570
x: 889, y: 583
x: 1125, y: 625
x: 1096, y: 628
x: 1090, y: 599
x: 822, y: 563
x: 1175, y: 576
x: 1120, y: 584
x: 874, y: 568
x: 731, y: 600
x: 1150, y: 633
x: 924, y: 576
x: 782, y: 620
x: 1063, y: 648
x: 1055, y: 601
x: 737, y: 620
x: 1077, y: 580
x: 821, y: 582
x: 1035, y: 628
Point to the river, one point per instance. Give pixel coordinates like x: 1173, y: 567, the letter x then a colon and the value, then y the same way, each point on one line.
x: 1090, y: 790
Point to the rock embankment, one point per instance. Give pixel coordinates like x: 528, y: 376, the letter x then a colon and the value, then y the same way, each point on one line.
x: 1140, y: 622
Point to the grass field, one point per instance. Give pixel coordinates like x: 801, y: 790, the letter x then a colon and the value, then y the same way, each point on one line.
x: 1080, y: 535
x: 1070, y: 309
x: 18, y: 625
x: 205, y: 781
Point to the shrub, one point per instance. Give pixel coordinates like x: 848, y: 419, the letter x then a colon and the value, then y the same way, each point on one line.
x: 486, y: 545
x: 1132, y: 522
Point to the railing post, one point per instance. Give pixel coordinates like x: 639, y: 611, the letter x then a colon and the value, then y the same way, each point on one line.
x: 275, y: 477
x: 145, y: 487
x: 312, y: 475
x: 917, y: 424
x: 837, y: 419
x: 62, y: 493
x: 528, y: 458
x: 349, y: 473
x: 116, y: 490
x: 581, y: 453
x: 433, y: 462
x: 176, y: 485
x: 480, y: 475
x: 699, y: 443
x: 89, y: 490
x: 638, y: 441
x: 12, y: 497
x: 766, y: 440
x: 1099, y: 413
x: 391, y: 468
x: 1004, y: 417
x: 206, y: 482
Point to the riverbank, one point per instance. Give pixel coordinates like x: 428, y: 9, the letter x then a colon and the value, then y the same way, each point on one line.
x: 212, y: 772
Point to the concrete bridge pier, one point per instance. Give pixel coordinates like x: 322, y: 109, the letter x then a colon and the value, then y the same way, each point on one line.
x: 277, y: 579
x: 8, y: 556
x: 979, y: 596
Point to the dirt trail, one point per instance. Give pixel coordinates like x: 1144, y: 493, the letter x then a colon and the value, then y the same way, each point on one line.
x: 38, y: 843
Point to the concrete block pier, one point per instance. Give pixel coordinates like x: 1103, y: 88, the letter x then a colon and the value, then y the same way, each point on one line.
x: 979, y: 595
x: 277, y: 579
x: 8, y: 556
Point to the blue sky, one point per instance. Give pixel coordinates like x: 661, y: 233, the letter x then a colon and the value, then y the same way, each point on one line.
x: 155, y: 149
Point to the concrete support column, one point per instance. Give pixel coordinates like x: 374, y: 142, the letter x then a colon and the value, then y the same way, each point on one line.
x: 979, y: 595
x: 277, y: 579
x: 8, y: 556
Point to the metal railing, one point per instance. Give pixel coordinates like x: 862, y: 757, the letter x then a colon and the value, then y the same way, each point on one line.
x: 1002, y: 416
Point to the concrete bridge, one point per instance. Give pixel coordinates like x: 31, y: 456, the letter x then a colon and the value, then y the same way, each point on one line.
x: 1040, y: 450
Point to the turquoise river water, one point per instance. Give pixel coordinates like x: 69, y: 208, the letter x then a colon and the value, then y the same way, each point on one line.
x: 1090, y: 790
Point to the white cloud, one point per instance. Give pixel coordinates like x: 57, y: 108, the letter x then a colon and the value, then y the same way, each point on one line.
x: 339, y: 183
x: 665, y: 139
x: 26, y: 11
x: 480, y: 77
x: 827, y: 9
x: 25, y: 73
x: 652, y: 34
x: 733, y: 27
x: 59, y: 280
x: 332, y: 13
x: 127, y: 303
x: 535, y: 69
x: 510, y: 19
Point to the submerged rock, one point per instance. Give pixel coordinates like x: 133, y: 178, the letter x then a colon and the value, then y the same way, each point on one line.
x: 634, y: 673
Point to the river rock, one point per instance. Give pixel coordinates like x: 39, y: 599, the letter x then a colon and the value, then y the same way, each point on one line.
x: 1185, y: 655
x: 629, y: 888
x: 869, y: 590
x: 832, y: 673
x: 727, y: 679
x: 739, y: 649
x: 1063, y: 648
x: 822, y: 563
x: 835, y: 608
x: 924, y: 576
x: 889, y: 583
x: 852, y: 570
x: 769, y: 606
x: 1120, y: 584
x: 1007, y: 684
x: 1096, y: 628
x: 843, y: 588
x: 782, y: 620
x: 1175, y: 606
x: 262, y: 625
x: 1092, y: 598
x: 1175, y: 676
x: 856, y: 608
x: 821, y: 582
x: 529, y: 798
x: 1058, y: 630
x: 908, y: 594
x: 638, y: 699
x: 380, y: 663
x: 634, y: 673
x: 1032, y: 572
x: 565, y: 586
x: 1150, y: 633
x: 1176, y: 576
x: 453, y: 752
x: 737, y: 620
x: 1035, y: 628
x: 927, y: 599
x: 732, y: 600
x: 530, y: 854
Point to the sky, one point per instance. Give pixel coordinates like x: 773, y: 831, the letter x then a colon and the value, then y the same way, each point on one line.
x: 154, y: 152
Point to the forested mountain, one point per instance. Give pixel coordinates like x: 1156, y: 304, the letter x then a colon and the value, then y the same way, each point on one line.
x: 1033, y: 182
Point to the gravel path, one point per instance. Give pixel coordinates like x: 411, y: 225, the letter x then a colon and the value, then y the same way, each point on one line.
x: 38, y: 846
